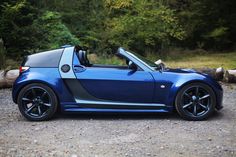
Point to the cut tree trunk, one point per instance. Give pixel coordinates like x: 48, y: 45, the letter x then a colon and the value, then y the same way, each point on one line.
x: 11, y: 76
x: 217, y: 74
x: 3, y: 82
x: 220, y: 74
x: 230, y: 76
x: 209, y: 71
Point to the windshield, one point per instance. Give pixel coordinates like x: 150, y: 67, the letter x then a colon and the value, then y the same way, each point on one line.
x: 148, y: 62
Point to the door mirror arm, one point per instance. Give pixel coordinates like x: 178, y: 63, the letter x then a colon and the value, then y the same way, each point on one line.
x: 132, y: 66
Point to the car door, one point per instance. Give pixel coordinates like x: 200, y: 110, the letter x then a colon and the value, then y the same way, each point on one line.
x: 111, y: 84
x: 116, y: 85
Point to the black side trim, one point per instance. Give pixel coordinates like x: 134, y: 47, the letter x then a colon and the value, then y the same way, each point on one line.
x: 78, y: 91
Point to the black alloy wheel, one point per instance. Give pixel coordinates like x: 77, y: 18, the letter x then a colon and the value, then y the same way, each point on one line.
x: 195, y: 101
x: 37, y: 102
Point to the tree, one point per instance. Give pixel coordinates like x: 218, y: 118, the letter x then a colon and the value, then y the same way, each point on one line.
x: 142, y: 25
x: 53, y: 32
x: 16, y: 28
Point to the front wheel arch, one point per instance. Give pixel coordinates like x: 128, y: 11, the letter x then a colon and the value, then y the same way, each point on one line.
x: 190, y: 82
x: 178, y: 98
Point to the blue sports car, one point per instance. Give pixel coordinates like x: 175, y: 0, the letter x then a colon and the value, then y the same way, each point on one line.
x: 65, y: 79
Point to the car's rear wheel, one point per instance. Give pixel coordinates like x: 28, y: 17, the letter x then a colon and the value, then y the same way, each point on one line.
x: 195, y: 101
x: 37, y: 102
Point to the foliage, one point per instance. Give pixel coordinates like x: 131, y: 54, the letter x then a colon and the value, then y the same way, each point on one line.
x: 17, y: 29
x: 209, y: 23
x: 26, y: 30
x: 145, y: 26
x: 53, y: 32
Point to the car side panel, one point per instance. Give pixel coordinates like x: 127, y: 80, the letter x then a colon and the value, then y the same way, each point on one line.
x: 48, y: 76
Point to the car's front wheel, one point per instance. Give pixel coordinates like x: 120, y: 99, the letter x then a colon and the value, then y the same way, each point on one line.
x: 195, y: 101
x: 37, y: 102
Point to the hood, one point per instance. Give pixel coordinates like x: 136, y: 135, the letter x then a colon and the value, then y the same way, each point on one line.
x: 181, y: 70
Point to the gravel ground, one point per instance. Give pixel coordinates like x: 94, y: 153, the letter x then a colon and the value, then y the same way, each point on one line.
x: 118, y: 134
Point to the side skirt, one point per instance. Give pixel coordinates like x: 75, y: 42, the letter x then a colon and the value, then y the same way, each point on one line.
x: 111, y: 107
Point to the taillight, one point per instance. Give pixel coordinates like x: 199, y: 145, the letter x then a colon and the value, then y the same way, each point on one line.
x: 22, y: 69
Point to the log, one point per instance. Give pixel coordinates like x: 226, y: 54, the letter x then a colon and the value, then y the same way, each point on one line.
x: 220, y: 73
x: 217, y: 74
x: 3, y: 82
x: 209, y: 71
x: 230, y: 76
x: 11, y: 76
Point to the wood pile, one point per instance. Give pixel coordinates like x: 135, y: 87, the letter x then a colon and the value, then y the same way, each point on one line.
x: 7, y: 78
x: 220, y: 74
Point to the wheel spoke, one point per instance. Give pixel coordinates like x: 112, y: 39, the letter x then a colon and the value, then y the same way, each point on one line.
x: 187, y: 105
x: 30, y: 109
x: 47, y: 104
x: 186, y: 94
x: 195, y: 110
x: 204, y: 97
x: 39, y: 110
x: 27, y: 99
x: 204, y: 107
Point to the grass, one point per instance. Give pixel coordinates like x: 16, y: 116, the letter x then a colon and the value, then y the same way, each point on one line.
x: 215, y: 60
x: 184, y: 59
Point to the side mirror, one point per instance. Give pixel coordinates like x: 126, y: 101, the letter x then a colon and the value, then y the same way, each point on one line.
x: 132, y: 66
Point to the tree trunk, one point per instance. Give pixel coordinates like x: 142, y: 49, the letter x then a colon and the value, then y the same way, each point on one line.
x: 209, y: 71
x: 220, y: 74
x: 11, y: 76
x: 230, y: 76
x: 3, y: 82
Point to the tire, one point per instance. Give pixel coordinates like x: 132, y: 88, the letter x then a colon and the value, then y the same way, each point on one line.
x: 37, y: 102
x: 195, y: 101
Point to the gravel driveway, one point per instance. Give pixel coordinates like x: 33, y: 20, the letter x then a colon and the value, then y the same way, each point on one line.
x: 118, y: 134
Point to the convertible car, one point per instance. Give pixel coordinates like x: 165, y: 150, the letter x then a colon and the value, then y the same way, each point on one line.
x: 64, y: 79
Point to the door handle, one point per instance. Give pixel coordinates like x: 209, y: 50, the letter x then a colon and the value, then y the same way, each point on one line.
x: 78, y: 68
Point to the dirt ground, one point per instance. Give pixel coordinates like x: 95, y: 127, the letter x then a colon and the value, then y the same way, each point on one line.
x: 110, y: 135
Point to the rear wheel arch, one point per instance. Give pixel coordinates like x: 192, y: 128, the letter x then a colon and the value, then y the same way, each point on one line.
x: 40, y: 82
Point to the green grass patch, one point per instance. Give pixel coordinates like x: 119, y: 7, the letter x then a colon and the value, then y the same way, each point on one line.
x: 184, y: 59
x: 212, y: 60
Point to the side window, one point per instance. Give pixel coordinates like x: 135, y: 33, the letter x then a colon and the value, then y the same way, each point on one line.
x: 107, y: 60
x: 44, y: 59
x: 103, y: 61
